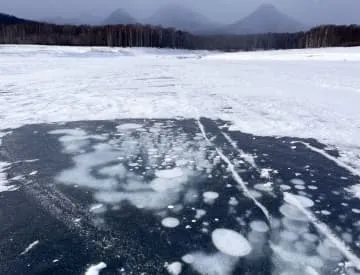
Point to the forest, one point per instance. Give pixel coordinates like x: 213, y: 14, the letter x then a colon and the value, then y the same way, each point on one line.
x: 28, y: 32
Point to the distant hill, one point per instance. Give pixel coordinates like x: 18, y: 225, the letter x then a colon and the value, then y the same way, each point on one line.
x: 9, y: 19
x: 119, y: 17
x: 84, y: 19
x: 267, y: 18
x: 179, y: 17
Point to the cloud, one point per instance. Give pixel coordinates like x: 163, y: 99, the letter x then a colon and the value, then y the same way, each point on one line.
x: 307, y: 11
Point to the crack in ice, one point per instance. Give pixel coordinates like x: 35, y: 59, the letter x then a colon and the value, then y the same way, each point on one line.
x: 235, y: 175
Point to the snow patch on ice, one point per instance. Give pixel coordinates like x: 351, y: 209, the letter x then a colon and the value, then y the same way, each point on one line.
x: 355, y: 190
x: 95, y: 269
x: 4, y: 183
x: 29, y: 247
x: 174, y: 268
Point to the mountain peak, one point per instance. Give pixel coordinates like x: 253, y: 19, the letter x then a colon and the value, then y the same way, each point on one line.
x: 266, y: 19
x: 119, y: 17
x: 267, y: 6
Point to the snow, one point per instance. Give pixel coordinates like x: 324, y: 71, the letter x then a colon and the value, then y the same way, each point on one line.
x: 355, y: 190
x: 29, y: 247
x: 3, y: 178
x: 174, y: 268
x: 230, y: 242
x: 270, y: 93
x: 170, y: 222
x: 95, y: 269
x: 323, y: 54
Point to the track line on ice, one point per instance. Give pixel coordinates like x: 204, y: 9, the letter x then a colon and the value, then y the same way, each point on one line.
x: 247, y: 157
x: 334, y: 159
x: 30, y: 246
x: 324, y: 229
x: 235, y: 175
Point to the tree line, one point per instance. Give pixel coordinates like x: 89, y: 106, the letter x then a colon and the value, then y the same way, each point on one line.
x: 156, y: 36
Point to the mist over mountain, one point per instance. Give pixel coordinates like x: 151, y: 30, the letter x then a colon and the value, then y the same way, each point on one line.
x: 83, y: 19
x: 180, y: 17
x: 119, y: 17
x: 267, y: 18
x: 10, y: 19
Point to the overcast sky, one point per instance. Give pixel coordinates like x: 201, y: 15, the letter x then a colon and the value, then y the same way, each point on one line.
x: 226, y: 11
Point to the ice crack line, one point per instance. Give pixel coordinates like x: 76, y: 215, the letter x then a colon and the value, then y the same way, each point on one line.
x: 247, y: 157
x: 324, y: 229
x: 235, y: 175
x: 334, y: 159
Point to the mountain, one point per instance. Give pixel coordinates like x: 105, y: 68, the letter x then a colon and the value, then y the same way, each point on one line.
x: 10, y: 19
x: 267, y: 18
x: 119, y: 17
x: 179, y: 17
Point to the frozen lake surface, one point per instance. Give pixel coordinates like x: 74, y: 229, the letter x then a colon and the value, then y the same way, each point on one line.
x: 143, y: 161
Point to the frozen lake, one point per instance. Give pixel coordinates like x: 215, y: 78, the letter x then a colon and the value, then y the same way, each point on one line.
x: 142, y: 161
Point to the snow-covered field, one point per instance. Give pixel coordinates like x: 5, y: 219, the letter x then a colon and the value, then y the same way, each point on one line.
x: 300, y: 93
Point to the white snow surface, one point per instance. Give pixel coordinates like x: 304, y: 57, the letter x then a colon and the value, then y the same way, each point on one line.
x: 95, y: 269
x: 174, y: 268
x: 312, y: 93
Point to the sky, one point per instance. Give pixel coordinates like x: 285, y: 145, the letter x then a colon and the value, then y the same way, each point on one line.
x: 310, y: 12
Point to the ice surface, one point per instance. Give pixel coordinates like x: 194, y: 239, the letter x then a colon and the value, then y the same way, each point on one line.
x: 332, y: 239
x: 270, y: 93
x: 235, y: 175
x: 230, y: 242
x: 128, y: 126
x: 170, y: 173
x: 95, y: 269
